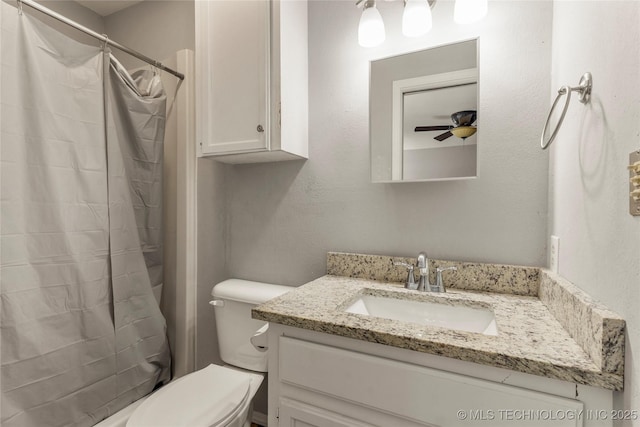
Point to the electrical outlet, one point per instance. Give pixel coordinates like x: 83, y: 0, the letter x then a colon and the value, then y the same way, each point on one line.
x: 554, y: 253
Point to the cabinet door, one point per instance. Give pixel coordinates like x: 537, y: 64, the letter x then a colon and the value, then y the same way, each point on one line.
x: 233, y: 46
x: 422, y: 395
x: 298, y: 414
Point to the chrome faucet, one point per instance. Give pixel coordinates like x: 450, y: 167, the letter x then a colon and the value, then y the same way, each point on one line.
x: 424, y: 285
x: 423, y: 264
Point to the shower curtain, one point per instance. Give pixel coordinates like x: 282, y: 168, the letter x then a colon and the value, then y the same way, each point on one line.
x: 80, y: 164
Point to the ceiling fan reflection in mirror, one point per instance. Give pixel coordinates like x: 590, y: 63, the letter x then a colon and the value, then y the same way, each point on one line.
x: 462, y: 126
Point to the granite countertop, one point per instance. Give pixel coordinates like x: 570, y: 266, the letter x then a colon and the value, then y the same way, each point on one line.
x: 531, y: 339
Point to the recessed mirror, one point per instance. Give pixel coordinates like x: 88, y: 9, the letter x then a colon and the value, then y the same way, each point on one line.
x: 423, y: 114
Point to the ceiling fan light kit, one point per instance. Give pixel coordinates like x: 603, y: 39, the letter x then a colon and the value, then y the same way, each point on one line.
x: 463, y: 132
x: 416, y: 18
x: 462, y: 126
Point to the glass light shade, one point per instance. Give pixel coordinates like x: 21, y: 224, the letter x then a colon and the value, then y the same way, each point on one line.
x: 416, y: 18
x: 469, y: 11
x: 371, y: 28
x: 463, y: 132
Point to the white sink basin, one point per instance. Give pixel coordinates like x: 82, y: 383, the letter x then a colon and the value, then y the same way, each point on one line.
x: 458, y: 317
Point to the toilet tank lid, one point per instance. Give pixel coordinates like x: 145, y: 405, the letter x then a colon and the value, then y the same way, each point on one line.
x: 248, y: 291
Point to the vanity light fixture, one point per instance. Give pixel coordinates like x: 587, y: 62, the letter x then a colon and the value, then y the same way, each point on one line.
x: 416, y: 18
x: 371, y: 28
x: 469, y: 11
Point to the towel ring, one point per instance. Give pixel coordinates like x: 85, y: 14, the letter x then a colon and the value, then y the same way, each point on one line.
x: 584, y: 90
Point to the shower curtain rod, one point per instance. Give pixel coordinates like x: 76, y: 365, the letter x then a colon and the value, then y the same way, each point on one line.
x: 100, y: 37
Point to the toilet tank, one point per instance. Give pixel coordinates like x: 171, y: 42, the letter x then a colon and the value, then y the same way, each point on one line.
x: 233, y: 300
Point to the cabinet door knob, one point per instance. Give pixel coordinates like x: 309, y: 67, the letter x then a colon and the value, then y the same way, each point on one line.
x: 260, y: 128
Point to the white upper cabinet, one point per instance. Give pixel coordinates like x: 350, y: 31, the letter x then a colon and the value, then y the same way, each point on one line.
x: 251, y: 80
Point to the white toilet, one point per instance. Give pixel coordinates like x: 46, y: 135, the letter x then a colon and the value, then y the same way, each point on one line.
x: 218, y: 395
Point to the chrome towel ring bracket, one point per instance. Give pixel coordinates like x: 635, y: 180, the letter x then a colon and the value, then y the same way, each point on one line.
x: 584, y: 90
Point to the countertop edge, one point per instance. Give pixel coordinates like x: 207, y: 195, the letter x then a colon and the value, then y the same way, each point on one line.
x: 606, y: 380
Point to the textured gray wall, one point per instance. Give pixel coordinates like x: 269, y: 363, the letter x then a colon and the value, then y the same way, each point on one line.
x: 589, y: 200
x: 156, y: 28
x: 212, y: 238
x: 74, y: 11
x: 284, y: 217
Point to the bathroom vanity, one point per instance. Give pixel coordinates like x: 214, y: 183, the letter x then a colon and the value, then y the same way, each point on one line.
x: 555, y: 356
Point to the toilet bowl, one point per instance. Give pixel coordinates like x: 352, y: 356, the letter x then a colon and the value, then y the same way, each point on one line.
x: 218, y: 395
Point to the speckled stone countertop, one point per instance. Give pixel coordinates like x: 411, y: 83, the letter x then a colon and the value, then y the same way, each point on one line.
x: 531, y: 339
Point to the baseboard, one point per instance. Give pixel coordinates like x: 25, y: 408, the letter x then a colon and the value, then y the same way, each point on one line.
x: 259, y: 418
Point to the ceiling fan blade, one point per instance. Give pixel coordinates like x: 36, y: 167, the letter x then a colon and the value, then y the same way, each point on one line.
x: 443, y: 136
x: 431, y: 128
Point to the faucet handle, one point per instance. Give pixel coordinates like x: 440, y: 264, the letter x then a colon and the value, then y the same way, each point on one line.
x: 439, y: 282
x: 411, y: 280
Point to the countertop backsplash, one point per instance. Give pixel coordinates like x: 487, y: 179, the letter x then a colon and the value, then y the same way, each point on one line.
x: 505, y: 279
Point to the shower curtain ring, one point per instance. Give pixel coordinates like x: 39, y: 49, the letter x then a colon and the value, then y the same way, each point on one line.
x: 105, y: 42
x: 20, y: 7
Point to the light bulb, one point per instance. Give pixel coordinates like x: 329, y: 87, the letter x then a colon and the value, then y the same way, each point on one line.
x: 371, y: 28
x: 416, y: 18
x: 469, y: 11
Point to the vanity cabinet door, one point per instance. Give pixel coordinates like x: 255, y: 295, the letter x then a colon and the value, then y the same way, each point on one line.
x: 367, y: 388
x: 232, y: 55
x: 297, y: 414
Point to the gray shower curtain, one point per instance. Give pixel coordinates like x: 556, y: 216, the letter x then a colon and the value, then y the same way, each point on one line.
x: 80, y: 164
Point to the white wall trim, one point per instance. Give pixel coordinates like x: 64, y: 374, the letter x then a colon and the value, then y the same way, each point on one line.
x: 259, y: 418
x: 186, y: 229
